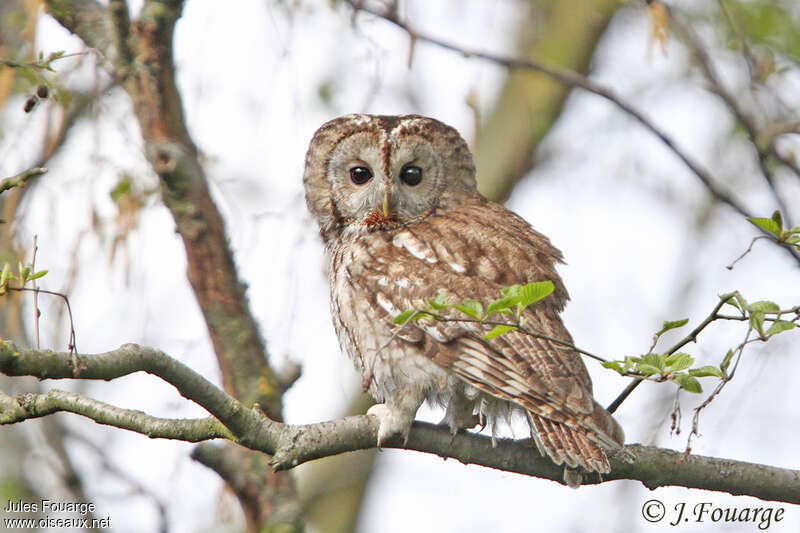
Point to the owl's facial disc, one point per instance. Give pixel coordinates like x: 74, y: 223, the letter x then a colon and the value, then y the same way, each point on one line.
x: 380, y: 181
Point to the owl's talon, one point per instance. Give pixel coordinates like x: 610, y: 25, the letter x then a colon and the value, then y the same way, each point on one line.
x: 392, y: 423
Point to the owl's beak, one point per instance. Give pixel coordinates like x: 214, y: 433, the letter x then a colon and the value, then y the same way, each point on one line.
x: 386, y: 203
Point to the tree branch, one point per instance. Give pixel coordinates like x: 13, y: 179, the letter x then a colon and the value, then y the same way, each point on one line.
x: 291, y: 445
x: 30, y: 405
x: 747, y: 121
x: 20, y: 179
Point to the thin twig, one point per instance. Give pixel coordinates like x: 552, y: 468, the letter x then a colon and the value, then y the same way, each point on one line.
x: 20, y: 179
x: 72, y: 346
x: 692, y: 336
x: 42, y: 64
x: 728, y: 377
x: 571, y: 79
x: 742, y: 117
x: 749, y: 249
x: 36, y: 311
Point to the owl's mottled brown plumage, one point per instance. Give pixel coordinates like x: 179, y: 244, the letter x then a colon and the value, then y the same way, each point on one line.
x: 399, y: 211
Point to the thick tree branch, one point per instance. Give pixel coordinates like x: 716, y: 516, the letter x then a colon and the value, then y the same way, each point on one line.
x: 291, y: 445
x: 27, y: 406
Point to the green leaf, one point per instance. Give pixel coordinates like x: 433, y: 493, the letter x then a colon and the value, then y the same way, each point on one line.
x: 403, y: 317
x: 726, y: 361
x: 654, y: 359
x: 38, y: 275
x: 732, y: 301
x: 764, y: 306
x: 501, y: 305
x: 471, y: 308
x: 512, y: 291
x: 705, y: 371
x: 688, y: 383
x: 679, y: 361
x: 440, y: 302
x: 740, y: 300
x: 648, y: 370
x: 757, y: 322
x: 630, y: 362
x: 776, y: 216
x: 533, y: 292
x: 779, y: 326
x: 613, y: 365
x: 794, y: 231
x: 767, y: 224
x: 672, y: 324
x: 497, y: 331
x: 794, y: 239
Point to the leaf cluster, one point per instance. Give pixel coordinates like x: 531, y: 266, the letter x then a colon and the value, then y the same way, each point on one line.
x: 774, y: 226
x: 513, y: 301
x: 23, y: 275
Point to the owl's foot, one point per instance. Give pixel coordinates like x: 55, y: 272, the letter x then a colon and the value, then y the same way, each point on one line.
x: 393, y: 422
x: 459, y: 415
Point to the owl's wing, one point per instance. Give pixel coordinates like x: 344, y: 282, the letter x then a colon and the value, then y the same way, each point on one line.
x: 472, y: 252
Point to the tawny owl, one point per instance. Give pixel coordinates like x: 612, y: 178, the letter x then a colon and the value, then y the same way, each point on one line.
x: 398, y: 208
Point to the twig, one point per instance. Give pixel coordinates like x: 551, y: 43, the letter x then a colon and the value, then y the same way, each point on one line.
x: 521, y: 329
x: 571, y: 79
x: 41, y: 64
x: 691, y: 337
x: 749, y: 249
x: 20, y: 179
x: 747, y: 121
x: 728, y: 377
x: 72, y: 346
x: 36, y: 312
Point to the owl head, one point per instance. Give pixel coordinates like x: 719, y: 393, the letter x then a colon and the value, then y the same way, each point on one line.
x: 377, y: 172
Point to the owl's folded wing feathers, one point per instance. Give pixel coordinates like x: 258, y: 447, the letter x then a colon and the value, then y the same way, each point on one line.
x: 473, y: 252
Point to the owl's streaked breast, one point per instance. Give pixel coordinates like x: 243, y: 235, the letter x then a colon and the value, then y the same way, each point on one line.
x: 385, y: 357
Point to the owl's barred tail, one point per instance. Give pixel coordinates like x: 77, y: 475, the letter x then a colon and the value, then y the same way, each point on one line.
x: 578, y: 447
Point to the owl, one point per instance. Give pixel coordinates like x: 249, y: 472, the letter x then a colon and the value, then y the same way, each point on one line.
x: 398, y: 208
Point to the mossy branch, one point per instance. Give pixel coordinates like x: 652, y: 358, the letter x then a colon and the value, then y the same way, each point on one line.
x: 291, y: 445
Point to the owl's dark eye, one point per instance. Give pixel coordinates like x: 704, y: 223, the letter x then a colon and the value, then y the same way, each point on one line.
x: 360, y: 175
x: 411, y: 175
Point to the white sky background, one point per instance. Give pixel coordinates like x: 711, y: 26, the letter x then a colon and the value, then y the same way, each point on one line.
x: 610, y: 196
